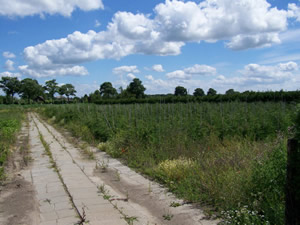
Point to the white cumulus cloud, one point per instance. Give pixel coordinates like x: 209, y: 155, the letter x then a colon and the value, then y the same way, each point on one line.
x: 23, y: 8
x: 125, y: 69
x: 158, y: 68
x: 242, y: 24
x: 8, y: 55
x: 187, y: 73
x: 294, y: 11
x: 261, y: 77
x: 9, y: 65
x: 10, y: 74
x: 131, y: 76
x: 54, y: 72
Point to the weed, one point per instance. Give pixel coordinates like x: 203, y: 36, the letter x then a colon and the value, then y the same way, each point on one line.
x: 87, y: 151
x: 130, y: 219
x: 149, y: 187
x: 47, y: 200
x: 104, y: 192
x: 118, y: 177
x: 175, y: 204
x: 167, y: 216
x: 102, y: 165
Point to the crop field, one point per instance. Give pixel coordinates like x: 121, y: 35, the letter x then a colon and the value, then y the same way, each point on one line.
x: 229, y: 157
x: 10, y: 123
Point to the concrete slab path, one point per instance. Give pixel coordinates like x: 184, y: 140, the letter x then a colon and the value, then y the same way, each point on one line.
x: 72, y: 190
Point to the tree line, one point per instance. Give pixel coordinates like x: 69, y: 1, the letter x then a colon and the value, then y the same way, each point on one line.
x: 30, y: 91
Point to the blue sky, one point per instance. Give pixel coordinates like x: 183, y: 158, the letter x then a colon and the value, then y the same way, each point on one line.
x: 223, y: 44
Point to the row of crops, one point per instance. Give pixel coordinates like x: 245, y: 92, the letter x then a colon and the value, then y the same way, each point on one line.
x: 230, y: 157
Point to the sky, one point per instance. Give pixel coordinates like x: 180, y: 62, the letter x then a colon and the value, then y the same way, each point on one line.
x: 220, y: 44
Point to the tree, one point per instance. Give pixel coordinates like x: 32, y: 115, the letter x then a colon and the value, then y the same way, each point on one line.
x: 96, y: 96
x: 10, y: 85
x: 136, y: 88
x: 198, y: 92
x: 180, y: 91
x: 67, y: 90
x: 211, y: 92
x: 30, y: 89
x: 51, y: 87
x: 230, y: 92
x: 107, y: 90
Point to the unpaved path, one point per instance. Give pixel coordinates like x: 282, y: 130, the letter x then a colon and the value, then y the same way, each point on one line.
x: 71, y: 189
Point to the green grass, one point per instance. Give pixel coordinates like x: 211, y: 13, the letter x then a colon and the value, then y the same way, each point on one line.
x: 10, y: 123
x: 227, y: 156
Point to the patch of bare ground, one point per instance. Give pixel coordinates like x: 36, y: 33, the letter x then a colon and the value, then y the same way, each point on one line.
x: 18, y: 205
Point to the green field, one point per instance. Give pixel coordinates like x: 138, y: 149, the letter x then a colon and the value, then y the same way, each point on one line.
x: 10, y: 123
x: 229, y: 157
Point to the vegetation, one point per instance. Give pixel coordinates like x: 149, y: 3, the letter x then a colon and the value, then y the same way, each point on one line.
x: 199, y: 92
x: 10, y: 123
x: 180, y: 91
x: 229, y: 156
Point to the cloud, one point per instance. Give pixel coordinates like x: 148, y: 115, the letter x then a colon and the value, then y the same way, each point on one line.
x: 10, y: 74
x: 269, y: 73
x: 290, y: 36
x: 260, y: 77
x: 251, y: 77
x: 54, y: 72
x: 178, y: 74
x: 8, y: 55
x: 158, y: 68
x: 242, y: 24
x: 131, y: 76
x: 125, y: 69
x: 149, y: 77
x: 187, y: 73
x: 9, y: 65
x: 97, y: 23
x: 294, y: 11
x: 241, y: 42
x: 201, y: 70
x: 23, y: 8
x: 214, y: 20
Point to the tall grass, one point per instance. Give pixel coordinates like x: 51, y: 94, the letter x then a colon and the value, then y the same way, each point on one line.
x: 229, y: 156
x: 10, y: 123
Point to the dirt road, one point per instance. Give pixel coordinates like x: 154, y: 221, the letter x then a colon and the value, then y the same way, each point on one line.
x: 62, y: 187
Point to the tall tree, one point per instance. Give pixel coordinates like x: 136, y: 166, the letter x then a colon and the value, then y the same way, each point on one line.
x: 230, y: 92
x: 198, y: 92
x: 136, y: 88
x: 211, y: 92
x: 67, y: 90
x: 180, y: 91
x: 30, y: 89
x: 107, y: 90
x: 10, y: 85
x: 51, y: 87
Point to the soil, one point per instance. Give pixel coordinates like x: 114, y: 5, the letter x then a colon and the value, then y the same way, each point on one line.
x: 18, y: 205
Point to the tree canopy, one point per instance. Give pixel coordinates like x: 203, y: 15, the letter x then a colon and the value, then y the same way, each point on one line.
x: 51, y: 87
x: 107, y: 90
x: 30, y: 89
x: 136, y: 88
x: 10, y: 86
x: 211, y: 92
x: 199, y: 92
x: 180, y: 91
x: 67, y: 90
